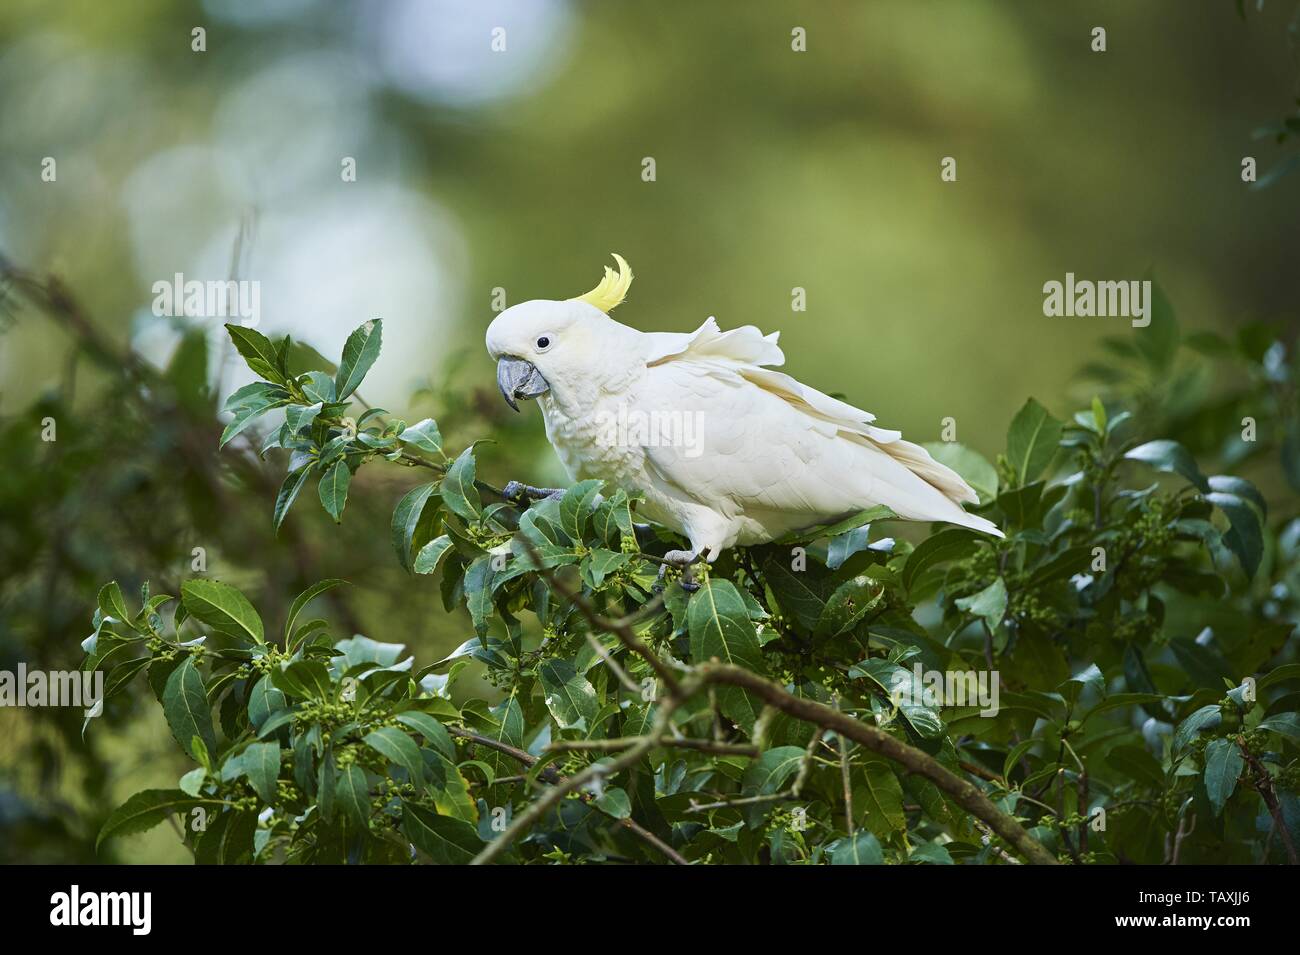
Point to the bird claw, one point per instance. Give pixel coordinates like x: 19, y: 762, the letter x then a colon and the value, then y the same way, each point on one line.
x: 522, y: 493
x: 684, y: 559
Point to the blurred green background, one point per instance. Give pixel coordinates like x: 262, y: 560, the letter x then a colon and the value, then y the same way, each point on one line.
x: 522, y: 170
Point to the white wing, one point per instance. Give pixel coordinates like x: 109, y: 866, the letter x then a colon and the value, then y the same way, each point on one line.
x: 777, y: 453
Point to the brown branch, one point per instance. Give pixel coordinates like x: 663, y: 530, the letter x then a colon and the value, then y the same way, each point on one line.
x: 1174, y: 843
x: 627, y: 742
x: 964, y: 793
x: 845, y: 776
x: 620, y: 628
x: 552, y: 776
x: 1263, y: 784
x: 553, y: 796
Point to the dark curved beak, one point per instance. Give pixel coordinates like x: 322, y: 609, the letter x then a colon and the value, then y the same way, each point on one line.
x: 519, y: 379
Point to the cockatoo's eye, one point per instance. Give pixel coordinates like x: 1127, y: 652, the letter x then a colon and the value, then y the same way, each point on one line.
x: 543, y: 343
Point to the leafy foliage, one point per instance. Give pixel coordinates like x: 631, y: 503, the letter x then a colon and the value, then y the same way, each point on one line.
x: 1147, y: 710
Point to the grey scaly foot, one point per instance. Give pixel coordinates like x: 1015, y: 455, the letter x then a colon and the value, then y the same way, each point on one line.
x: 522, y: 493
x: 683, y: 559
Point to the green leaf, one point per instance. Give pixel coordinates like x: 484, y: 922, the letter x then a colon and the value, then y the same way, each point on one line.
x: 478, y: 591
x: 843, y: 546
x: 902, y: 687
x: 1228, y: 484
x: 868, y: 516
x: 850, y: 602
x: 1246, y: 538
x: 801, y: 594
x: 862, y: 848
x: 1137, y: 763
x: 1202, y: 662
x: 1098, y: 415
x: 352, y: 795
x: 223, y: 608
x: 459, y: 494
x: 430, y: 729
x: 1071, y: 561
x: 1024, y: 505
x: 576, y: 506
x: 431, y: 554
x: 293, y: 482
x: 1223, y: 765
x: 424, y: 435
x: 228, y: 839
x: 612, y: 519
x: 1158, y: 341
x: 274, y: 721
x: 147, y: 809
x: 881, y: 802
x: 1032, y: 441
x: 569, y: 696
x: 1187, y: 730
x: 112, y: 604
x: 766, y: 775
x: 360, y: 650
x: 406, y: 517
x: 1119, y: 700
x: 298, y: 417
x: 614, y: 802
x: 397, y: 747
x: 258, y: 353
x: 1016, y: 752
x: 305, y: 679
x: 1288, y: 671
x: 445, y: 840
x: 929, y: 853
x: 185, y: 705
x: 307, y: 596
x: 600, y: 563
x: 972, y: 466
x: 264, y: 700
x: 990, y: 604
x: 333, y: 490
x: 1288, y: 724
x: 245, y: 415
x: 720, y: 627
x: 359, y: 353
x: 257, y: 394
x: 450, y: 789
x: 123, y: 674
x: 261, y: 763
x: 1171, y: 458
x: 952, y: 543
x: 318, y: 387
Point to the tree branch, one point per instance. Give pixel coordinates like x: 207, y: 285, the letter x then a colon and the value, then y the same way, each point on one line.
x: 964, y: 793
x: 552, y: 797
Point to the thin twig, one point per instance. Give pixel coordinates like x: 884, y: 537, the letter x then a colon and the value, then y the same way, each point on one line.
x: 551, y: 776
x: 552, y: 797
x: 964, y: 793
x: 677, y: 742
x: 845, y: 776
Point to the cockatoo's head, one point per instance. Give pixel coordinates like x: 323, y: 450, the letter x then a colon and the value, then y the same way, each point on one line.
x: 544, y: 345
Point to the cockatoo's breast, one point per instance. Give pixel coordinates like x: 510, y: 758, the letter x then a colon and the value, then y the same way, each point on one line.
x: 589, y: 441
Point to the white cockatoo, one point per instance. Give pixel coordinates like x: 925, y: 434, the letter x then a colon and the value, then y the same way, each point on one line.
x: 723, y: 450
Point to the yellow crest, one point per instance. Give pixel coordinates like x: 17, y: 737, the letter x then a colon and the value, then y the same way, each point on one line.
x: 612, y: 288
